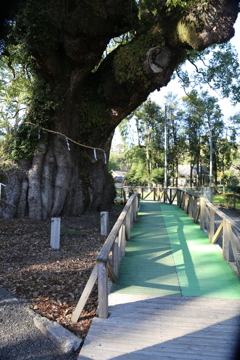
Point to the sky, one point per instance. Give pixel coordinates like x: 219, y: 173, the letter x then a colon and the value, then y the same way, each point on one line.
x: 173, y: 86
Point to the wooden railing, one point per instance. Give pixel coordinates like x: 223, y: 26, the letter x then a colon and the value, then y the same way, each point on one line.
x: 214, y: 222
x: 108, y: 259
x: 199, y: 209
x: 154, y: 192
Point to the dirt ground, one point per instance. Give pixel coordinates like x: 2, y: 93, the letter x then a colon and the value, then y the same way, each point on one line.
x: 52, y: 280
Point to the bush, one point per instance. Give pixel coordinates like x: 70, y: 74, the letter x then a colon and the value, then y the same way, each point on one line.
x: 234, y: 188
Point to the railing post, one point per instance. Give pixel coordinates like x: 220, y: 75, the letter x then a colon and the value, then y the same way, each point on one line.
x: 186, y: 199
x: 128, y: 225
x: 182, y: 200
x: 135, y: 208
x: 211, y: 224
x: 131, y: 214
x: 116, y: 254
x: 195, y: 208
x: 178, y: 197
x: 190, y: 206
x: 202, y: 214
x: 103, y: 289
x: 226, y: 240
x: 123, y: 241
x: 124, y: 196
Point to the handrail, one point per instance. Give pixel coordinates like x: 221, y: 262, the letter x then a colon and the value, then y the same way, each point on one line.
x: 204, y: 212
x: 108, y: 259
x: 158, y: 193
x: 198, y: 208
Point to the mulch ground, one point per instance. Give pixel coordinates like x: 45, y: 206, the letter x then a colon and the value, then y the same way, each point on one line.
x: 52, y: 280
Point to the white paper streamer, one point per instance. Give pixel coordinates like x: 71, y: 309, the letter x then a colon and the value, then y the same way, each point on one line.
x: 68, y: 145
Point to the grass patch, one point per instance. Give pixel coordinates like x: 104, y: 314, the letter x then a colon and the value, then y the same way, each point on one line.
x: 227, y: 199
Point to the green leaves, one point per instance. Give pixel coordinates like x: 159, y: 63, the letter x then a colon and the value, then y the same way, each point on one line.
x: 22, y: 141
x: 218, y: 68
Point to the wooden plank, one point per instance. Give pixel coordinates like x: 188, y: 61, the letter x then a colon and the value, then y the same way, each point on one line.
x: 122, y: 240
x: 107, y: 246
x: 207, y: 219
x: 116, y: 255
x: 98, y: 354
x: 173, y: 197
x: 195, y: 208
x: 235, y: 248
x: 154, y: 328
x: 85, y: 294
x: 129, y: 300
x: 198, y: 214
x: 221, y: 214
x: 111, y: 273
x: 202, y: 214
x: 183, y: 200
x: 145, y: 335
x: 127, y: 343
x: 148, y: 194
x: 186, y: 203
x: 167, y: 197
x: 217, y: 233
x: 236, y: 239
x: 103, y: 290
x: 226, y: 240
x: 190, y: 207
x: 128, y: 226
x: 211, y: 223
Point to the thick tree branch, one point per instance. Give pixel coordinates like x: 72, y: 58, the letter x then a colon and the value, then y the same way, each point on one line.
x: 207, y: 25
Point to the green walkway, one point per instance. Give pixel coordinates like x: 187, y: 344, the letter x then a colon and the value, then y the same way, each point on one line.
x: 170, y: 255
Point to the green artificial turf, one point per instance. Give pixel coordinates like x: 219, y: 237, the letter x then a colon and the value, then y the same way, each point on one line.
x: 200, y: 267
x: 148, y: 266
x: 170, y: 255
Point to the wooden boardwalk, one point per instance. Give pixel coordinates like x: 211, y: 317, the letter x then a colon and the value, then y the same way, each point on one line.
x: 185, y: 311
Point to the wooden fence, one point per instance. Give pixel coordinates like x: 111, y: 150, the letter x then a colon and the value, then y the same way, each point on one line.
x: 211, y: 220
x: 214, y: 222
x: 155, y: 193
x: 108, y: 259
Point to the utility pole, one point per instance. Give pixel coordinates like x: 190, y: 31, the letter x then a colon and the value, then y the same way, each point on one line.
x: 211, y: 161
x: 165, y: 149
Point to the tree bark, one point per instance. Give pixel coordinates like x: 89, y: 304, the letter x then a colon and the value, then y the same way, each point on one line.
x: 85, y: 95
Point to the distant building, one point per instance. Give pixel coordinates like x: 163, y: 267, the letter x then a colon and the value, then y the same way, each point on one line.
x: 184, y: 173
x: 118, y: 176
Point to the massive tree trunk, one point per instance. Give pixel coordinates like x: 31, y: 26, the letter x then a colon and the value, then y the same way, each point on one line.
x: 81, y: 95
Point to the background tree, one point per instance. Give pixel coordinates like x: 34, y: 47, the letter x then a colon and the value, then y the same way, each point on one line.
x: 15, y: 90
x: 146, y: 156
x: 176, y: 135
x: 203, y: 115
x: 84, y: 93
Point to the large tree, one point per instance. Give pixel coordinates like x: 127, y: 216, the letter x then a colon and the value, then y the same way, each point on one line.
x: 83, y: 92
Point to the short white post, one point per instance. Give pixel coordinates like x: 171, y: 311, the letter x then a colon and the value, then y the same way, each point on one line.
x: 55, y: 233
x: 1, y: 184
x: 104, y: 215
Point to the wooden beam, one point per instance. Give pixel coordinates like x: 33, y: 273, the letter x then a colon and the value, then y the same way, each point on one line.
x: 111, y: 273
x: 103, y: 290
x: 85, y: 294
x: 217, y: 233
